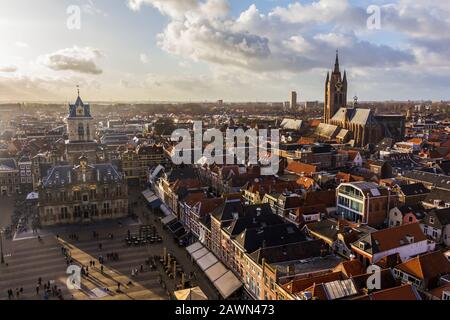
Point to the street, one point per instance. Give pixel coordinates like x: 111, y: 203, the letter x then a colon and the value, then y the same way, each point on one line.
x: 28, y: 259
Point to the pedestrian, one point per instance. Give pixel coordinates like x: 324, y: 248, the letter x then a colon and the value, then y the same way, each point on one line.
x: 93, y: 264
x: 142, y: 268
x: 37, y: 290
x: 101, y: 269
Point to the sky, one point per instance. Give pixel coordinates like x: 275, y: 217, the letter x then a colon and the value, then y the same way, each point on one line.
x: 235, y: 50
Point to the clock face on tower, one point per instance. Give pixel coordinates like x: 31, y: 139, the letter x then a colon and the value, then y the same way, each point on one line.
x: 339, y: 87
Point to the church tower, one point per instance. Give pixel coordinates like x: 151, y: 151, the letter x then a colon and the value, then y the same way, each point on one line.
x: 81, y: 130
x: 335, y: 91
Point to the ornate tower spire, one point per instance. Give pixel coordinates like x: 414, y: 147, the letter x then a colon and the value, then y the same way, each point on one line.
x: 344, y: 80
x: 78, y: 90
x: 336, y: 64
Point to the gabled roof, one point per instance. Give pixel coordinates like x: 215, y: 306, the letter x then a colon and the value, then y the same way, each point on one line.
x: 301, y: 168
x: 417, y: 210
x: 358, y: 116
x: 351, y: 268
x: 387, y: 280
x: 8, y: 164
x: 391, y: 238
x: 288, y: 252
x: 430, y: 266
x: 68, y: 175
x: 438, y: 194
x: 441, y: 215
x: 274, y: 235
x: 73, y: 109
x: 414, y: 189
x: 405, y: 292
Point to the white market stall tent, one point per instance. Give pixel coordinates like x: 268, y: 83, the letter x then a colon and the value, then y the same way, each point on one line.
x: 207, y: 261
x: 222, y: 278
x: 227, y: 284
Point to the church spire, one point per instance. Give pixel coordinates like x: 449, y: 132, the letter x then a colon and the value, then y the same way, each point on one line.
x: 336, y: 64
x: 78, y: 90
x: 344, y: 80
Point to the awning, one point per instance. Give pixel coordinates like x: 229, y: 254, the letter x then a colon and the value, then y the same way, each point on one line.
x: 166, y: 210
x: 190, y: 294
x: 194, y: 247
x: 170, y: 218
x: 216, y: 271
x: 207, y: 261
x: 180, y: 234
x: 200, y: 253
x: 175, y: 226
x: 223, y: 279
x: 152, y: 198
x: 227, y: 284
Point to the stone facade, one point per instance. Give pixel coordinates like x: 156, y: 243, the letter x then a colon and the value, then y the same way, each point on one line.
x: 81, y: 194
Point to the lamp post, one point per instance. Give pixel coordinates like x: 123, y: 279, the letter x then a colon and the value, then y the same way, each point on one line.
x: 2, y: 257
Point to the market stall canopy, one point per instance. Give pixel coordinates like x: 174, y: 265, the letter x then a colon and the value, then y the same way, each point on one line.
x: 170, y: 218
x: 222, y: 278
x: 207, y: 261
x: 227, y: 284
x: 166, y: 210
x: 216, y: 271
x: 190, y: 294
x: 151, y: 198
x: 194, y: 247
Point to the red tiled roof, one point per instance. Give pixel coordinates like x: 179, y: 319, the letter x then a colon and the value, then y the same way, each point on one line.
x: 301, y: 168
x: 428, y: 266
x: 406, y: 292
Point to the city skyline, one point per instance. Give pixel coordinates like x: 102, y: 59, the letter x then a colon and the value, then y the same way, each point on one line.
x: 149, y: 50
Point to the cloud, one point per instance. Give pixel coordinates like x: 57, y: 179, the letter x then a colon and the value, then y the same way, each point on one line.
x: 172, y: 8
x: 284, y: 40
x: 76, y: 59
x: 18, y: 87
x: 8, y: 69
x: 144, y: 58
x: 21, y: 44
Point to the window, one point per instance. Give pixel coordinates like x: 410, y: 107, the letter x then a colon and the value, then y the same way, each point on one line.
x: 81, y: 131
x: 77, y: 211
